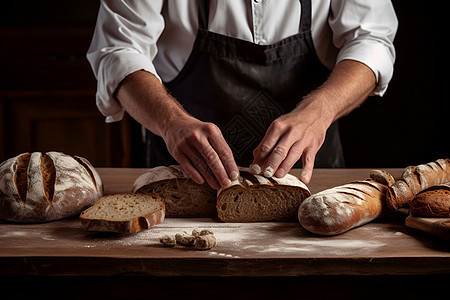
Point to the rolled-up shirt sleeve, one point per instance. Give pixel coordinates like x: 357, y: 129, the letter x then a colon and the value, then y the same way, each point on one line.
x: 364, y: 31
x: 124, y: 41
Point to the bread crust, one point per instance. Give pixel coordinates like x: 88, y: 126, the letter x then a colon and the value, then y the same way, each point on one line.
x: 182, y: 196
x: 416, y: 179
x: 339, y: 209
x: 255, y: 198
x: 130, y: 225
x: 432, y: 202
x: 42, y: 187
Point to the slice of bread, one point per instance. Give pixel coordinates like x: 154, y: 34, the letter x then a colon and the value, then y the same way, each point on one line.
x: 124, y: 213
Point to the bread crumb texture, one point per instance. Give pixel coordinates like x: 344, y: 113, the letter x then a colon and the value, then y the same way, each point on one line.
x: 122, y: 207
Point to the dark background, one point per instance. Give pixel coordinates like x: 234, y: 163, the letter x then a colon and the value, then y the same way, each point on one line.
x: 407, y: 126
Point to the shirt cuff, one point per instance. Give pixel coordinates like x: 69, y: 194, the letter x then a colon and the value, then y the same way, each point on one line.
x: 114, y: 68
x: 374, y: 55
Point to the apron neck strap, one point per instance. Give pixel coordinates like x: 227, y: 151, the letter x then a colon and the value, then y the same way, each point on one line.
x: 305, y: 17
x: 203, y: 14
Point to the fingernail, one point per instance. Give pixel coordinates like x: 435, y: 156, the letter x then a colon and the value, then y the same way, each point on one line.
x: 255, y: 168
x: 268, y: 172
x: 234, y: 175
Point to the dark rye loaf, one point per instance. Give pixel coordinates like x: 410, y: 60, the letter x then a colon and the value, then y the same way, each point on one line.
x: 432, y: 202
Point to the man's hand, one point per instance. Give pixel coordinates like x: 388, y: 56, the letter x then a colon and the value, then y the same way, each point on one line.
x: 197, y: 146
x: 202, y: 151
x: 288, y: 138
x: 301, y: 133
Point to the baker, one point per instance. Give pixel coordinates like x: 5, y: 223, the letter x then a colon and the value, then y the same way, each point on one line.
x: 257, y: 83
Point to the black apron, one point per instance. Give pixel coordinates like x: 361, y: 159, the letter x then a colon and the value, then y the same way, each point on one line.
x: 242, y: 87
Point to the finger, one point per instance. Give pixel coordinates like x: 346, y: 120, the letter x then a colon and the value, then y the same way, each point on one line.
x: 201, y: 165
x: 265, y: 148
x: 278, y: 155
x: 190, y: 170
x: 225, y: 155
x: 308, y: 157
x: 214, y: 164
x: 293, y: 156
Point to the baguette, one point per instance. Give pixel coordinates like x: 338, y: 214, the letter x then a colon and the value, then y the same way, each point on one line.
x: 253, y: 198
x: 42, y: 187
x: 182, y: 196
x: 339, y: 209
x: 124, y: 213
x: 416, y: 179
x: 432, y: 202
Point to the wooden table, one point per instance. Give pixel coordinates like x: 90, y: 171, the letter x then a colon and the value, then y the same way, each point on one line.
x: 248, y: 260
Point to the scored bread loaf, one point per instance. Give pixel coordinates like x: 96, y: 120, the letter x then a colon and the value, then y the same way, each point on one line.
x: 182, y: 196
x: 416, y: 179
x: 253, y: 198
x: 339, y: 209
x: 41, y: 187
x: 432, y: 202
x: 124, y: 213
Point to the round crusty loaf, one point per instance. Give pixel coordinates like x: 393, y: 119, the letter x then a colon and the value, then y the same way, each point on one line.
x: 336, y: 210
x: 253, y: 198
x: 432, y: 202
x: 124, y: 213
x: 182, y: 196
x: 41, y: 187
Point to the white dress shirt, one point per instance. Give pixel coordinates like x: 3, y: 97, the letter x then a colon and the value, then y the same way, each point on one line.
x: 158, y: 35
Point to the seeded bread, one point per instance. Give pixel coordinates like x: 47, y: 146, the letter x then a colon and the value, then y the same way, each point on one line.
x: 432, y: 202
x: 124, y: 213
x: 182, y: 196
x: 253, y: 198
x: 41, y: 187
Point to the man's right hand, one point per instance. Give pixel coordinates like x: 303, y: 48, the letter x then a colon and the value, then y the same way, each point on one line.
x: 197, y: 146
x: 202, y: 151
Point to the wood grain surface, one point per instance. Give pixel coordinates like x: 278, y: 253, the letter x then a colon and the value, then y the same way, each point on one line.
x: 384, y: 246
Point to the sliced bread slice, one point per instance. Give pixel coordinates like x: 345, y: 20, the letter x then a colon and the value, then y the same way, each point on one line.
x: 124, y: 213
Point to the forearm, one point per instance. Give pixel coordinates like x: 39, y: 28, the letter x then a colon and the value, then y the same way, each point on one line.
x: 143, y: 96
x: 197, y: 146
x: 300, y: 133
x: 349, y: 85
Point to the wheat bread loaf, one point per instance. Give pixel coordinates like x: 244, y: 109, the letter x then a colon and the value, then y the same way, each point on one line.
x: 41, y: 187
x: 124, y: 213
x: 416, y: 179
x: 253, y: 198
x: 182, y: 196
x: 432, y: 202
x: 339, y: 209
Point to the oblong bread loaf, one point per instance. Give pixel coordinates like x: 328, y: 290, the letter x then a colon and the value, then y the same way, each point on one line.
x: 182, y: 196
x: 336, y: 210
x: 253, y: 198
x: 124, y: 213
x: 416, y: 179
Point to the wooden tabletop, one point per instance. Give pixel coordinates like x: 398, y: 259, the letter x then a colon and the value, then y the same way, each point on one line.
x: 385, y: 246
